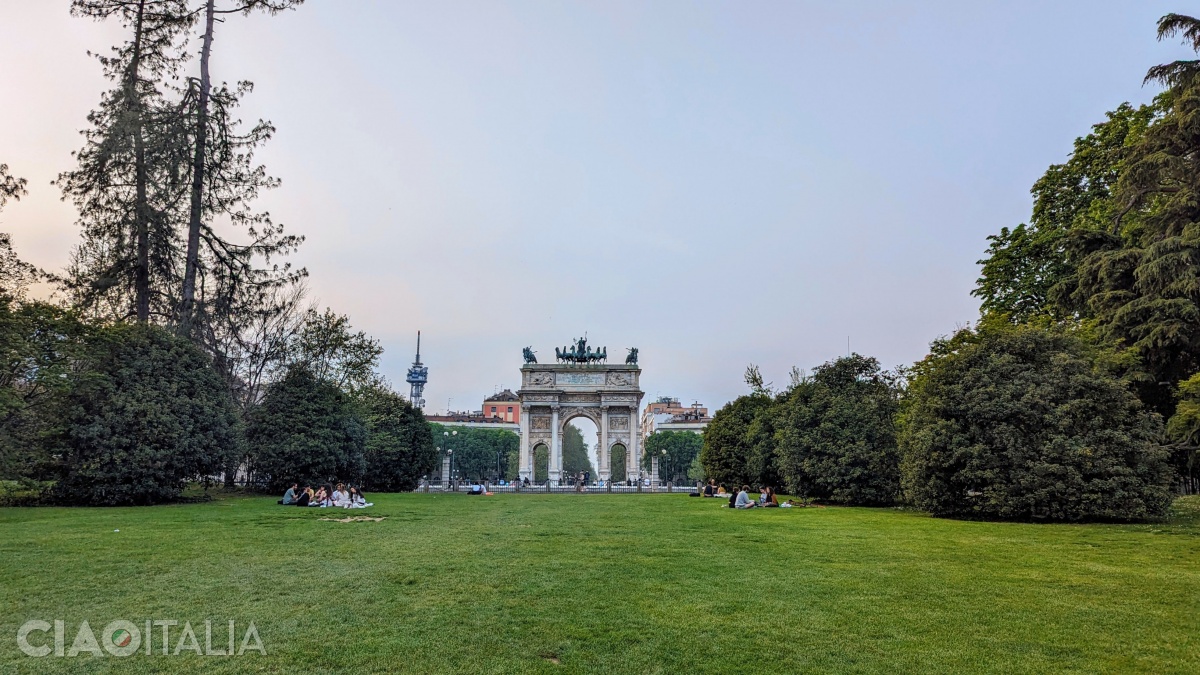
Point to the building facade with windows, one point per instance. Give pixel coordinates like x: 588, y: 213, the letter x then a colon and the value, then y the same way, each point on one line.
x: 666, y: 413
x: 505, y: 405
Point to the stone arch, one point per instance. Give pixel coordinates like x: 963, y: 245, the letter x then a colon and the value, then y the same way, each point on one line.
x: 554, y: 394
x: 541, y: 463
x: 618, y: 460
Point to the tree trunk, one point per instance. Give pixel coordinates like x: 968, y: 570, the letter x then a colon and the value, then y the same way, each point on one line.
x: 198, y: 159
x: 142, y: 208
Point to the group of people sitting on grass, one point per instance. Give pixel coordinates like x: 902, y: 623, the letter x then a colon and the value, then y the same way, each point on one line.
x: 338, y: 496
x: 740, y: 499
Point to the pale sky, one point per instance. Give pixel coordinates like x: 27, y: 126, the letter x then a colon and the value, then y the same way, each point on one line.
x: 716, y: 183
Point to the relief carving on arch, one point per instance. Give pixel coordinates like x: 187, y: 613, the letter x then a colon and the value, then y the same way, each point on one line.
x: 592, y: 414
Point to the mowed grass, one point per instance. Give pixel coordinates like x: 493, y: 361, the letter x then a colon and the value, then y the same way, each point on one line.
x: 608, y: 583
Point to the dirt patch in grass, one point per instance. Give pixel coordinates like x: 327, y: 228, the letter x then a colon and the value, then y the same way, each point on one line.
x: 355, y: 519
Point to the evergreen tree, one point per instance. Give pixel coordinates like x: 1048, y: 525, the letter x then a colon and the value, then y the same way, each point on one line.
x: 131, y: 173
x: 399, y: 447
x: 305, y: 430
x: 1017, y: 422
x: 147, y: 415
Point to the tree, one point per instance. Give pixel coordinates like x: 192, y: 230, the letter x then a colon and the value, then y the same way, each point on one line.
x: 399, y: 446
x: 146, y: 415
x: 1017, y: 422
x: 728, y: 448
x: 675, y: 450
x: 837, y: 435
x: 575, y: 452
x: 130, y: 174
x: 224, y: 180
x: 15, y: 274
x: 617, y: 470
x: 1028, y: 271
x: 42, y: 346
x: 325, y: 345
x: 306, y: 430
x: 481, y: 454
x: 1184, y: 425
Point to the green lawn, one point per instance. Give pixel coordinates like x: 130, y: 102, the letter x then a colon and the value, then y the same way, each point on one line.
x: 617, y: 583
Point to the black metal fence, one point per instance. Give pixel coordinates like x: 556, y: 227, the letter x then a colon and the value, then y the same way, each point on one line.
x: 543, y: 488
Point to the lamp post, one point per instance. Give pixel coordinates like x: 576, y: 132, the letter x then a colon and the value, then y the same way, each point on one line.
x: 664, y: 466
x: 449, y: 454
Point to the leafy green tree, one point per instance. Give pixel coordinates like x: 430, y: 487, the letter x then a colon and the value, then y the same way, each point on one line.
x: 675, y: 450
x: 1028, y: 271
x: 326, y: 346
x: 146, y: 415
x: 1017, y: 422
x: 616, y: 464
x: 399, y: 447
x: 729, y: 454
x: 837, y: 434
x: 541, y: 464
x: 575, y: 452
x: 479, y: 453
x: 306, y: 430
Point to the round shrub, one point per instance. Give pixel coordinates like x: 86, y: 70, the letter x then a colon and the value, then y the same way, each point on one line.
x: 306, y: 430
x: 147, y: 415
x: 837, y: 438
x: 1016, y: 422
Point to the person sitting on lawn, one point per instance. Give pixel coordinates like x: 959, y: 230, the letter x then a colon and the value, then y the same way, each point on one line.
x: 733, y: 499
x: 476, y: 489
x: 767, y: 498
x: 289, y: 497
x: 320, y: 498
x: 305, y: 497
x: 710, y: 490
x: 358, y: 500
x: 340, y: 497
x: 743, y: 501
x: 721, y: 491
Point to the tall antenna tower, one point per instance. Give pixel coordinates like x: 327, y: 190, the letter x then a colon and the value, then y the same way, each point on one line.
x: 418, y: 375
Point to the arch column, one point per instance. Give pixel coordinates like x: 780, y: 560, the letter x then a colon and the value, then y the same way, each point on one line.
x: 555, y: 448
x: 633, y: 454
x: 525, y: 451
x: 603, y: 455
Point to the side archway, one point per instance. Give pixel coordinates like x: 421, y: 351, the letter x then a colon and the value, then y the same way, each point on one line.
x: 617, y: 460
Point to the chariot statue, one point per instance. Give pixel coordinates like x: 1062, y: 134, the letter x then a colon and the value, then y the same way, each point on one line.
x: 529, y: 355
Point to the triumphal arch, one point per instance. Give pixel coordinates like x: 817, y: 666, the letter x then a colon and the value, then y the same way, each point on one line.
x: 582, y: 383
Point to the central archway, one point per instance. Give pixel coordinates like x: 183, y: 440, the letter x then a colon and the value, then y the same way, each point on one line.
x: 552, y: 395
x: 581, y: 442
